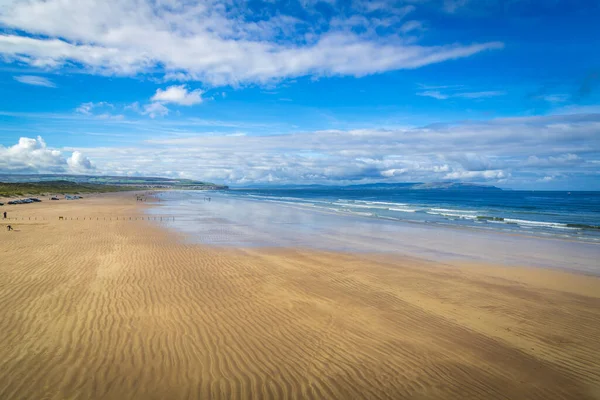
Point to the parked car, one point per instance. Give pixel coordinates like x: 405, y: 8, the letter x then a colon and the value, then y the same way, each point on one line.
x: 1, y: 204
x: 35, y: 199
x: 54, y: 198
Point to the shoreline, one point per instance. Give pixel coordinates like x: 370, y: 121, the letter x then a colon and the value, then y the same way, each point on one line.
x: 233, y: 223
x: 126, y: 309
x: 457, y: 217
x: 450, y: 227
x: 142, y: 209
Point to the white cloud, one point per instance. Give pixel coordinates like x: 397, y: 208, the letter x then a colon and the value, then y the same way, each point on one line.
x: 553, y: 98
x: 410, y: 26
x: 433, y: 93
x: 479, y: 95
x: 388, y: 173
x: 480, y: 151
x: 207, y: 41
x: 451, y: 6
x: 79, y: 163
x: 469, y: 175
x: 461, y: 95
x: 553, y: 161
x: 34, y: 156
x: 474, y: 161
x: 178, y: 95
x: 510, y: 151
x: 154, y: 110
x: 87, y: 108
x: 133, y: 107
x: 35, y: 80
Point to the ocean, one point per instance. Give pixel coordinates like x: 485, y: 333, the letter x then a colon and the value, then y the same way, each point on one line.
x: 548, y: 229
x: 572, y: 215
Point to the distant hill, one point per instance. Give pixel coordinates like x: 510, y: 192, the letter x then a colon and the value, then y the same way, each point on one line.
x: 137, y: 181
x: 402, y: 185
x: 453, y: 186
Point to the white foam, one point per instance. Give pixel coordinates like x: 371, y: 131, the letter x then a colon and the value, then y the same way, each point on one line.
x: 353, y: 212
x: 381, y: 202
x: 524, y: 222
x: 350, y: 205
x: 455, y: 215
x: 448, y: 210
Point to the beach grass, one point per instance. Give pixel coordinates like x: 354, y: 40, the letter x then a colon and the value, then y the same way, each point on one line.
x: 56, y: 187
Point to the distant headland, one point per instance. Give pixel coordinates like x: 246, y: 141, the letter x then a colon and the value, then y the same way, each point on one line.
x: 123, y: 182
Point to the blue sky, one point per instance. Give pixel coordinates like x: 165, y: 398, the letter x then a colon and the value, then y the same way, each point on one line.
x: 301, y: 91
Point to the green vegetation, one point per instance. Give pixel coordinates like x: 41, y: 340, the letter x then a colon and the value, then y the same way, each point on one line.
x: 138, y: 181
x: 56, y: 187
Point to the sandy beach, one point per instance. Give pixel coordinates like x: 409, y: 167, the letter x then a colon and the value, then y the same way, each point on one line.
x: 95, y: 307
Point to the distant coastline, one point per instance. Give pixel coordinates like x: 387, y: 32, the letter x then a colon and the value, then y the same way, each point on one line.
x: 134, y: 183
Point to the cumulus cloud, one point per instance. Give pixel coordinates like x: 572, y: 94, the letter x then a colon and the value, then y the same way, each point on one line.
x: 178, y: 95
x: 79, y: 163
x: 35, y: 80
x: 498, y: 150
x: 154, y: 110
x: 34, y: 156
x: 210, y: 42
x: 510, y: 151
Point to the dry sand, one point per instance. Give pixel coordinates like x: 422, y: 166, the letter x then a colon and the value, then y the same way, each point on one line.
x: 107, y: 309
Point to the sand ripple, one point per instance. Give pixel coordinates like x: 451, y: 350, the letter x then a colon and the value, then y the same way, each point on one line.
x: 106, y: 309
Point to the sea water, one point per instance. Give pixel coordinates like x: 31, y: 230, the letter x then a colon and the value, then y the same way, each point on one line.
x: 574, y: 215
x: 551, y: 229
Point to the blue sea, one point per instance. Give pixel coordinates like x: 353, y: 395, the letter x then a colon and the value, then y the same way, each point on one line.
x: 572, y: 215
x: 547, y: 229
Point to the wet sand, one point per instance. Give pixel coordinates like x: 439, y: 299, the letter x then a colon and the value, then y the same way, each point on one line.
x: 99, y: 308
x: 231, y: 221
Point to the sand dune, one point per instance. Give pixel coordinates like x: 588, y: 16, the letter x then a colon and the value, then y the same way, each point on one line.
x: 107, y: 309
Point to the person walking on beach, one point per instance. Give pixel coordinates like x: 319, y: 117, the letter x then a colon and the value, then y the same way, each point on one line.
x: 9, y: 228
x: 4, y: 214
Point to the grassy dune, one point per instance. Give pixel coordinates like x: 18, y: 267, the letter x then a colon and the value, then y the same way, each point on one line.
x: 55, y: 187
